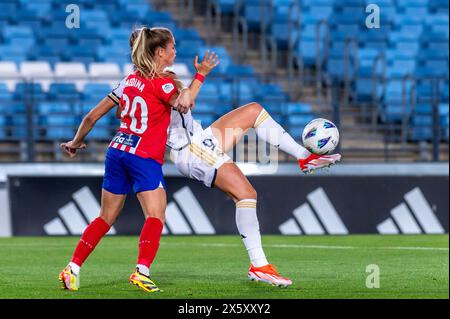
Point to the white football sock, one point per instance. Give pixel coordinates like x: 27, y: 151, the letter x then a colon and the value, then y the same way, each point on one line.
x: 75, y: 268
x: 272, y: 132
x: 248, y: 226
x: 143, y: 269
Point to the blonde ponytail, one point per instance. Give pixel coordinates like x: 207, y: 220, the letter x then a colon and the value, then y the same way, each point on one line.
x: 144, y: 46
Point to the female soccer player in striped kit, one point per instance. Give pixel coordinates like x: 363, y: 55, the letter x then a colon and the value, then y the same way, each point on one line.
x: 201, y: 154
x: 135, y: 156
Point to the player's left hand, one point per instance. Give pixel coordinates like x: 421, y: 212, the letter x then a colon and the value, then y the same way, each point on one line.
x: 209, y: 62
x: 71, y: 148
x: 184, y: 102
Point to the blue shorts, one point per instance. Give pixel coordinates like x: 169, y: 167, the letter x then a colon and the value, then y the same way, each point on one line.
x: 124, y: 170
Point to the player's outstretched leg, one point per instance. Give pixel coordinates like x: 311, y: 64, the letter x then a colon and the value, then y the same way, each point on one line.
x: 253, y: 115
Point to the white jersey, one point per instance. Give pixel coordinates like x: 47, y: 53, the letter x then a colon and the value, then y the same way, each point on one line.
x: 182, y: 126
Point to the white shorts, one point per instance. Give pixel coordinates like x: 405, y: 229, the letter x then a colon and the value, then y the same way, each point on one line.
x: 201, y: 159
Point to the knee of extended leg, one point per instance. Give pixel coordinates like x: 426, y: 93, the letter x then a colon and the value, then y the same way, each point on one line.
x: 256, y: 107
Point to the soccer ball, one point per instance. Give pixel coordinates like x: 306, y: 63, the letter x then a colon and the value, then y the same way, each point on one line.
x: 320, y: 136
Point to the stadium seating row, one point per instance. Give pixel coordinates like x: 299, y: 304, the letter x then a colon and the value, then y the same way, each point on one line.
x: 412, y: 40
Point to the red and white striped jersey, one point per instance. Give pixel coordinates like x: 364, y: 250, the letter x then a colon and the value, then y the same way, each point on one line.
x: 145, y: 117
x: 181, y: 125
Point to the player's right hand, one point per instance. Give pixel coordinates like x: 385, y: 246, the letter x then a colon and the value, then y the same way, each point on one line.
x: 184, y: 102
x: 71, y: 148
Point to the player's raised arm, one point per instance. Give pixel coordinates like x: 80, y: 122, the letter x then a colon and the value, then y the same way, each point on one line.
x: 86, y: 126
x: 186, y: 98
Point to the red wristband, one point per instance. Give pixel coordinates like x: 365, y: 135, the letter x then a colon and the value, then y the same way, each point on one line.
x: 199, y: 77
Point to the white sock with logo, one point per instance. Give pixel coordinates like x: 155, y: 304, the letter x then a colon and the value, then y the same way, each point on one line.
x: 248, y: 226
x: 143, y: 269
x: 75, y: 268
x: 273, y: 133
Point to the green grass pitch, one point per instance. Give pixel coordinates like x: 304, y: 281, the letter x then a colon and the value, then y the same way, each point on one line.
x: 216, y: 267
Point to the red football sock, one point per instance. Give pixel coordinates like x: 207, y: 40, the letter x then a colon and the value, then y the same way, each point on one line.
x: 90, y: 238
x: 149, y: 241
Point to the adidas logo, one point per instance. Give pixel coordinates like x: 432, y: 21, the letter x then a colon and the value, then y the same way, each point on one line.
x: 71, y: 220
x: 403, y: 217
x: 307, y: 222
x: 194, y: 220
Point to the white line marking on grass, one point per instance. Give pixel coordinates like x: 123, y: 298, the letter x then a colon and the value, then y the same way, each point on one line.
x: 416, y: 248
x: 310, y: 246
x: 54, y: 245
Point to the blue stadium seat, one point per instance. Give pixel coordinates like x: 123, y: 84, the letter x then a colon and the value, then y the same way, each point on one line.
x: 84, y: 107
x: 117, y: 55
x: 118, y: 34
x: 102, y: 130
x: 226, y: 91
x: 226, y: 6
x: 374, y: 39
x: 59, y: 119
x: 13, y: 53
x: 205, y: 119
x: 422, y: 128
x: 439, y: 6
x: 413, y: 24
x: 401, y: 67
x: 296, y: 124
x: 53, y: 107
x: 186, y: 33
x: 5, y: 94
x: 80, y: 53
x: 436, y: 41
x: 3, y: 123
x: 27, y: 91
x: 31, y: 18
x: 393, y: 109
x: 56, y: 42
x: 64, y: 92
x: 89, y: 37
x: 299, y: 119
x: 49, y: 53
x: 209, y: 93
x: 275, y: 108
x: 41, y: 7
x: 187, y: 51
x: 204, y: 108
x: 18, y: 124
x: 95, y: 91
x: 245, y: 93
x: 320, y: 10
x: 257, y: 14
x: 298, y: 108
x: 59, y: 127
x: 240, y: 70
x: 10, y: 32
x: 443, y: 109
x: 270, y: 94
